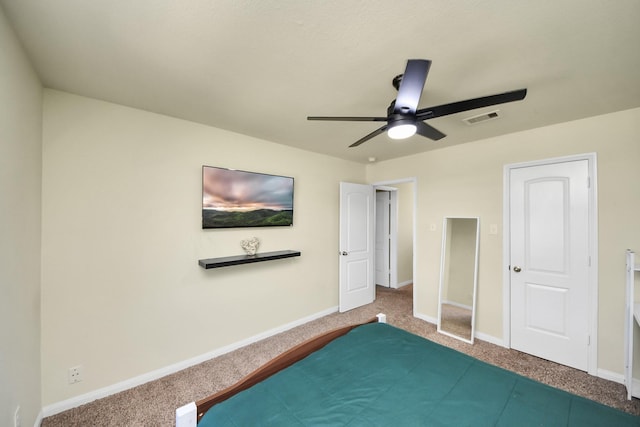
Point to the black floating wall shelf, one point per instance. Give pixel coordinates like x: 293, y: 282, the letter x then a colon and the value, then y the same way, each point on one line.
x: 246, y: 259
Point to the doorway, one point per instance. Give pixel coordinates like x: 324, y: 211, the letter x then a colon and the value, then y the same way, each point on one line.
x: 402, y: 271
x: 402, y: 199
x: 394, y: 233
x: 550, y: 260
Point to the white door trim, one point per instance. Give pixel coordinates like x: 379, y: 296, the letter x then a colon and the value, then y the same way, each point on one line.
x: 394, y: 232
x: 593, y: 251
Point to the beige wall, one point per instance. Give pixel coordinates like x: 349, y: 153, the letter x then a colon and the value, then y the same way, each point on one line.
x: 123, y: 294
x: 466, y: 180
x: 20, y: 175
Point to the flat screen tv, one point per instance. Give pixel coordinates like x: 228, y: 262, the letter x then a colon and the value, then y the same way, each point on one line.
x: 234, y: 198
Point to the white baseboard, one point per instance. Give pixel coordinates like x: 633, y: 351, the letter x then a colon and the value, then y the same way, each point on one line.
x: 635, y: 388
x: 490, y: 339
x: 619, y: 378
x: 38, y: 420
x: 82, y: 399
x: 433, y: 320
x: 611, y: 376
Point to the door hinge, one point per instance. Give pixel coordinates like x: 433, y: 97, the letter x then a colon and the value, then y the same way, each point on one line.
x: 588, y: 182
x: 589, y: 261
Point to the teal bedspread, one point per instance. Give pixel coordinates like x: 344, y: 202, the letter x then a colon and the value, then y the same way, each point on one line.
x: 379, y: 375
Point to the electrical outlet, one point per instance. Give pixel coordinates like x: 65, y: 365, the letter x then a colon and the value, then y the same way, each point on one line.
x: 17, y: 419
x: 75, y: 374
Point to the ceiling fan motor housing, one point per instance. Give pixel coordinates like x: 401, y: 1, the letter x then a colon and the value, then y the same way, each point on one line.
x: 399, y: 119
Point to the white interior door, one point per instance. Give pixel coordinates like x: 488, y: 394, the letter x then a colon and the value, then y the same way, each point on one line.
x: 357, y: 285
x: 383, y: 238
x: 549, y: 264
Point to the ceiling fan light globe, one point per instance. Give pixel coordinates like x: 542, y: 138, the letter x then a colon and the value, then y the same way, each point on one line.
x: 402, y: 131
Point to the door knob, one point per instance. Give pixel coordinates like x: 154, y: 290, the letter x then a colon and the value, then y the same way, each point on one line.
x: 344, y: 253
x: 517, y: 269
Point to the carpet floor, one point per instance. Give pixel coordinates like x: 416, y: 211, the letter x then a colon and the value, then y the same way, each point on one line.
x: 154, y: 403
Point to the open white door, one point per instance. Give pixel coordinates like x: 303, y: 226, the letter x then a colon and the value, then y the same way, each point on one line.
x: 357, y: 206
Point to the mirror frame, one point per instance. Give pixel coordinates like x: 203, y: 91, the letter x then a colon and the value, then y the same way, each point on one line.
x: 442, y: 276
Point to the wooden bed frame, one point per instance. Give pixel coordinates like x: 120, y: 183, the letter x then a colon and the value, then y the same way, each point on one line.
x: 189, y: 415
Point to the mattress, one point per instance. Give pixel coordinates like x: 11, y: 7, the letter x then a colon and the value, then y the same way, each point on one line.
x: 379, y: 375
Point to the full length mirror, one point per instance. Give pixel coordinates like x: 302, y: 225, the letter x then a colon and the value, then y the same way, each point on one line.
x: 458, y: 278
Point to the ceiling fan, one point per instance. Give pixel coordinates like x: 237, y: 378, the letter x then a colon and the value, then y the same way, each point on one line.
x: 404, y: 119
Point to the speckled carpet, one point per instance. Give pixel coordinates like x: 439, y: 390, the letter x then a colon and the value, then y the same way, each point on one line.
x: 154, y: 403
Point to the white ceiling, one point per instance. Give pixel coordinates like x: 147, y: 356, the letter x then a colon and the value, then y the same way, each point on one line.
x: 261, y: 67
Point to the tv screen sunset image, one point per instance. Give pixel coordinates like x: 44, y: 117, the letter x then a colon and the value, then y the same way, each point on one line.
x: 233, y: 198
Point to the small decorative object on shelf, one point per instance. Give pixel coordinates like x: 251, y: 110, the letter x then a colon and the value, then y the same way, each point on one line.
x: 250, y: 246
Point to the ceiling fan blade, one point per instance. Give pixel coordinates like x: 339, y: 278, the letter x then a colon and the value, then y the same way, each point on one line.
x: 470, y: 104
x: 368, y: 137
x: 412, y: 85
x: 428, y: 131
x: 349, y: 119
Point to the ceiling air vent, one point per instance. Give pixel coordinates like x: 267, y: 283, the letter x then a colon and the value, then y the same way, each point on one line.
x: 481, y: 118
